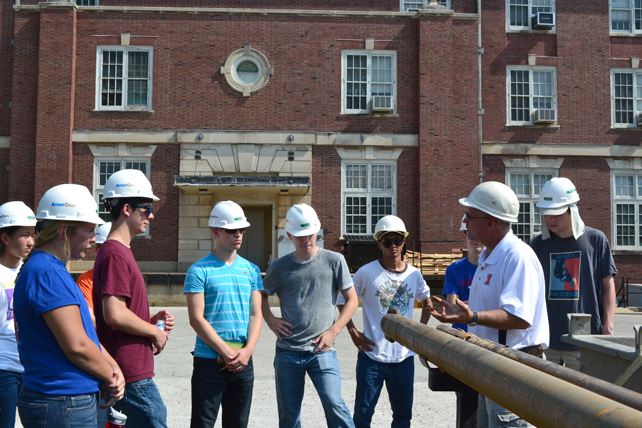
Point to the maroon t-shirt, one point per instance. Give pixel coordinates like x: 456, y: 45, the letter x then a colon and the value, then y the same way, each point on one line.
x: 117, y: 274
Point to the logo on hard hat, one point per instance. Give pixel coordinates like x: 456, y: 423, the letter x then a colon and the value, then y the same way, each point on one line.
x: 31, y: 217
x: 548, y: 198
x: 571, y: 191
x: 126, y: 185
x: 238, y: 218
x: 60, y: 204
x: 305, y: 225
x: 5, y: 216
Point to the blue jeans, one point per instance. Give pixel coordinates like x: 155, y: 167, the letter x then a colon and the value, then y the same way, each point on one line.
x: 39, y: 410
x: 143, y: 405
x: 399, y: 379
x: 492, y: 415
x: 9, y: 387
x: 213, y: 387
x: 290, y: 368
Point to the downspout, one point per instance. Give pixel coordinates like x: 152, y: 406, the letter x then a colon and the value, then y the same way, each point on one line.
x: 480, y: 110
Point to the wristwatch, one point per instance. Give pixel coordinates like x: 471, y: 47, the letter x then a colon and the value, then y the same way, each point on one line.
x: 473, y: 322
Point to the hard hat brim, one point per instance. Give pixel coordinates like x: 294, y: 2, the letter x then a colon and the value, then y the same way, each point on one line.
x: 238, y: 225
x: 554, y: 211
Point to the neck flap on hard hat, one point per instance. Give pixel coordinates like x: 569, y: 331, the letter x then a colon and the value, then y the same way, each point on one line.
x: 576, y: 221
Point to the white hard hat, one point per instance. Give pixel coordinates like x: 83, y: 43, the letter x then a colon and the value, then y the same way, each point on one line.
x: 558, y: 194
x: 16, y: 213
x: 228, y: 215
x: 389, y: 223
x: 302, y: 220
x: 128, y: 183
x: 69, y: 202
x: 463, y: 227
x: 102, y: 232
x: 495, y: 199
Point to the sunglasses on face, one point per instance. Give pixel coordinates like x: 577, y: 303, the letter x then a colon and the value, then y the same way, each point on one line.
x: 149, y: 209
x: 233, y: 231
x: 387, y: 243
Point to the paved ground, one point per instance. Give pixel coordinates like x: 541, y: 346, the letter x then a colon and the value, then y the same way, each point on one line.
x: 174, y: 368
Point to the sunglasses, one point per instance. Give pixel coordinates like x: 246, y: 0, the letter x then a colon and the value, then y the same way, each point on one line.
x: 149, y: 209
x: 387, y: 243
x: 233, y: 231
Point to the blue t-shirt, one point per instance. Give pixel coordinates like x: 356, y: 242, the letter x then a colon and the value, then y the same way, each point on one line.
x: 43, y: 285
x: 459, y: 275
x: 227, y: 297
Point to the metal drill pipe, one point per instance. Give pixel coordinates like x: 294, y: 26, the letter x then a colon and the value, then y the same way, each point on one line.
x: 541, y: 399
x: 598, y: 386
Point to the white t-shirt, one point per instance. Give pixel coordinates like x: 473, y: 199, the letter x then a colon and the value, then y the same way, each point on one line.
x: 9, y: 359
x: 511, y: 278
x: 380, y: 289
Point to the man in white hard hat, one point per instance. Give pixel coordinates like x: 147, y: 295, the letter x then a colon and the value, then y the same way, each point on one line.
x: 123, y: 321
x: 307, y: 282
x: 578, y: 268
x: 507, y: 301
x: 459, y: 275
x: 382, y: 284
x: 224, y: 306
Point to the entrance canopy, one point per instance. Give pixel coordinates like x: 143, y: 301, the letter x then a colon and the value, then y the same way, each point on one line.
x: 198, y: 184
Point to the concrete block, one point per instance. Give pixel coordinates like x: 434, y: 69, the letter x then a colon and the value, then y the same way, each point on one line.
x: 188, y: 222
x: 205, y: 244
x: 191, y: 256
x: 193, y: 233
x: 184, y: 199
x: 188, y: 244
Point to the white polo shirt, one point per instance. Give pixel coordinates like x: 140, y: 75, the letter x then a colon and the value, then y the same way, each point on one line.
x: 511, y: 278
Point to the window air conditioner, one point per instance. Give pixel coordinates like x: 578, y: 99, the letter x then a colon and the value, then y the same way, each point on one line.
x: 545, y: 116
x: 639, y: 116
x: 543, y: 21
x: 381, y: 104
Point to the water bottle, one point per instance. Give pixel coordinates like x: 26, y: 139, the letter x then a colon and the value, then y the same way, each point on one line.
x: 161, y: 323
x: 116, y: 419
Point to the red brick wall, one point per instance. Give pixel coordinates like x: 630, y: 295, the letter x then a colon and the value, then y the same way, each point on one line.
x: 465, y: 6
x: 326, y: 193
x: 583, y: 53
x: 448, y: 153
x: 6, y: 65
x: 24, y: 108
x: 4, y: 176
x: 190, y: 93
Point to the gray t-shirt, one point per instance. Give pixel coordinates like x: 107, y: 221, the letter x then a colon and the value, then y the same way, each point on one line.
x: 573, y: 270
x: 307, y: 293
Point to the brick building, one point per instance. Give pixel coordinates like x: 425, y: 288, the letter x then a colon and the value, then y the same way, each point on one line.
x: 361, y: 109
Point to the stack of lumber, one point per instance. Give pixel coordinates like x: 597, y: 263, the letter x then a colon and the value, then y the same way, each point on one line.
x: 431, y: 264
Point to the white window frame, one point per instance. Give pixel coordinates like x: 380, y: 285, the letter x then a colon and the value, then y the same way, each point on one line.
x: 97, y: 3
x: 636, y: 98
x: 531, y: 96
x: 414, y: 5
x: 636, y: 200
x: 529, y: 27
x: 98, y: 188
x: 532, y: 198
x: 125, y: 50
x: 368, y: 192
x: 369, y: 54
x: 631, y: 9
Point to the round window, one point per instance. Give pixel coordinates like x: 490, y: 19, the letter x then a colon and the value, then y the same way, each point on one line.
x: 248, y: 72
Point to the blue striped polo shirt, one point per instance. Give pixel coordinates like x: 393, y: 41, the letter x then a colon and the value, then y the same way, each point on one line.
x: 227, y: 297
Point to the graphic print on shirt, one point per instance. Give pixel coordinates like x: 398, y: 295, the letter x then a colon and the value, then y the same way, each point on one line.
x: 8, y: 290
x: 395, y: 294
x: 565, y: 276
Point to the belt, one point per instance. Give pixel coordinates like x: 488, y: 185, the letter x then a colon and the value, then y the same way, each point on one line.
x: 536, y: 351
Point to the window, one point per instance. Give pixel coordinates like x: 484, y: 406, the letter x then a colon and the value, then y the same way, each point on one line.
x: 369, y: 82
x: 531, y: 89
x: 527, y: 185
x: 87, y: 2
x: 626, y: 98
x: 409, y: 6
x: 369, y: 193
x: 626, y: 16
x: 627, y: 201
x: 519, y: 13
x: 103, y: 169
x: 124, y: 78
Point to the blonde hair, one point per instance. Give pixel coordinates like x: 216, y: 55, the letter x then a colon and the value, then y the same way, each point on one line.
x: 51, y: 235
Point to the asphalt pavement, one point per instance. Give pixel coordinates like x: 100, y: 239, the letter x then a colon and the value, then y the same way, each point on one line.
x: 431, y: 409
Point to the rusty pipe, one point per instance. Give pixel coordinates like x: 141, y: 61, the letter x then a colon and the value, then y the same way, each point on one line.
x: 590, y: 383
x: 541, y: 399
